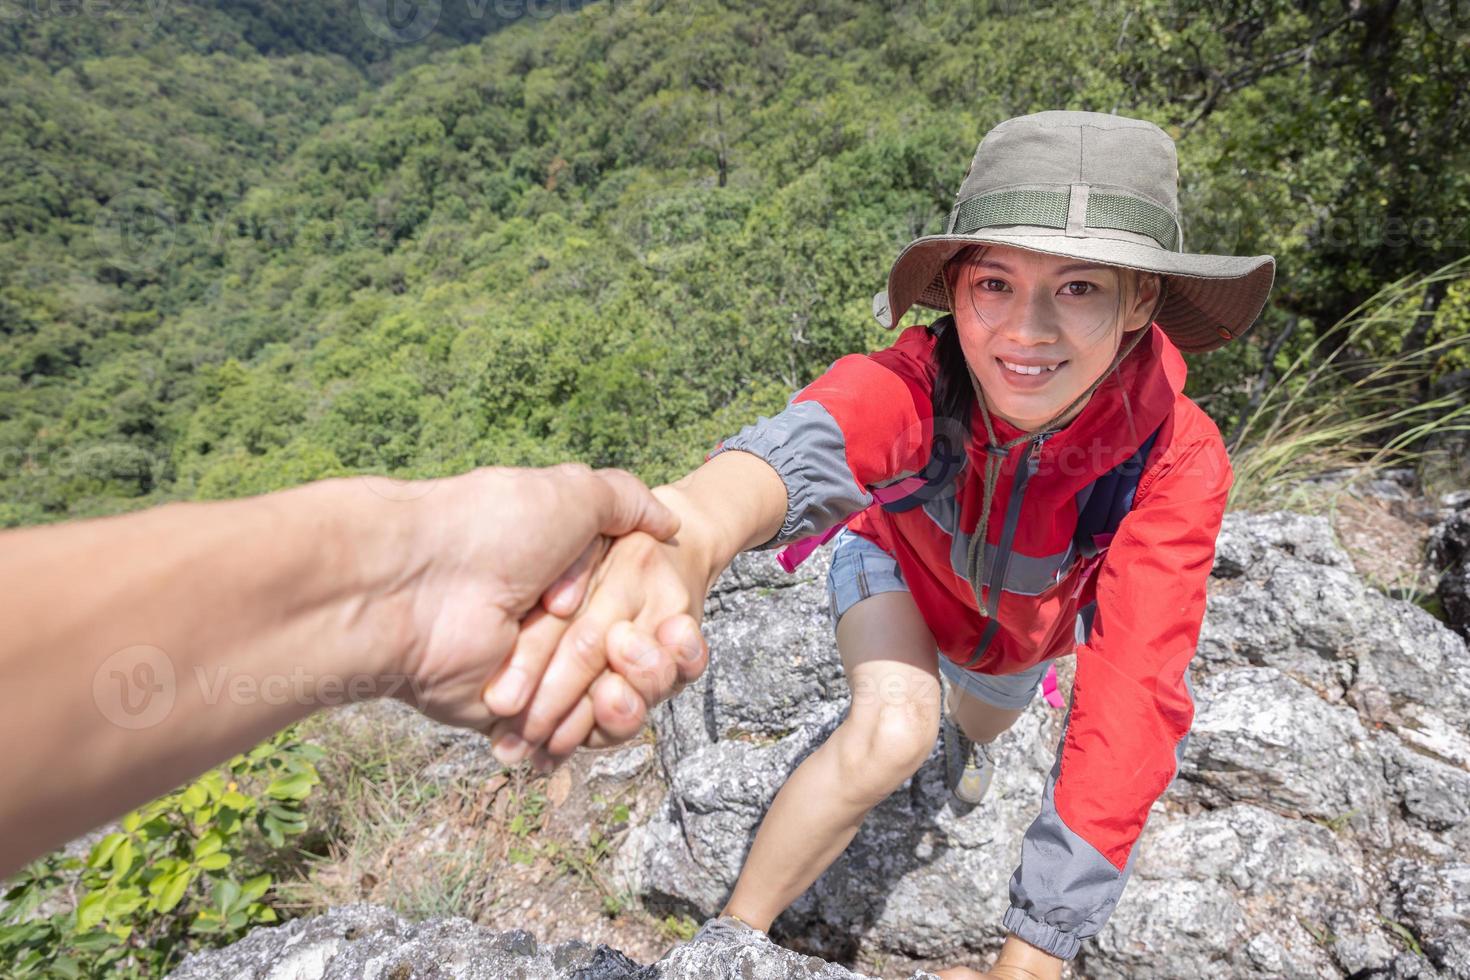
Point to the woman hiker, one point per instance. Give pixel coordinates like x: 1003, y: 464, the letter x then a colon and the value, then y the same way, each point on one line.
x: 1020, y: 480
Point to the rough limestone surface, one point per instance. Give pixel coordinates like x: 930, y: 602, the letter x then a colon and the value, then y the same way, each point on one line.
x: 1319, y: 827
x: 368, y: 942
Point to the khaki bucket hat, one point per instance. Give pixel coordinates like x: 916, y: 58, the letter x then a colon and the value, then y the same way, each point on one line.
x: 1090, y: 186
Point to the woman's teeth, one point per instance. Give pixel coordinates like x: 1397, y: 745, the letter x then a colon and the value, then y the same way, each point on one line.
x: 1030, y: 369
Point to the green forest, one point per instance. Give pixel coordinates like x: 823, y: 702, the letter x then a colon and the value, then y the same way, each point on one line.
x: 247, y: 245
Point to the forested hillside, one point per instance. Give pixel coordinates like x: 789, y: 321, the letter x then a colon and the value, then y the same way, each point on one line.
x: 247, y: 245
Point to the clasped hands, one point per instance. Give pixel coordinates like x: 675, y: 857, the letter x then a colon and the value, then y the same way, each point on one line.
x: 550, y: 608
x: 616, y: 635
x: 553, y: 608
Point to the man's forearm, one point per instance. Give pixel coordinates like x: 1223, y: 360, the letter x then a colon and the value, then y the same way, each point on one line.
x: 140, y: 650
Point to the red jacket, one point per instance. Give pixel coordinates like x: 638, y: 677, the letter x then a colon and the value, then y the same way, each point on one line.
x: 1131, y: 613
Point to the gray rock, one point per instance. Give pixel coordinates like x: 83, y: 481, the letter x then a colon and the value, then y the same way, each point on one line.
x: 895, y: 888
x: 1433, y: 903
x: 365, y: 942
x: 1260, y: 737
x: 1323, y: 733
x: 1318, y: 828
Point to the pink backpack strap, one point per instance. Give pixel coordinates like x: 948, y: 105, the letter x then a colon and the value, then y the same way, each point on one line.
x: 1049, y: 687
x: 798, y: 551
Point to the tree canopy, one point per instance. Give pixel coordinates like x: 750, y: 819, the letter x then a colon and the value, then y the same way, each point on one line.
x: 246, y: 245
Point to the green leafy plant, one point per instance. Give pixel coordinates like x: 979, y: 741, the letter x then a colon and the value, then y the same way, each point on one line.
x: 183, y: 871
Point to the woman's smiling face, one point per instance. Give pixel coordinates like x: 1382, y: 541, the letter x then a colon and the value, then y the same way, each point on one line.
x: 1038, y: 329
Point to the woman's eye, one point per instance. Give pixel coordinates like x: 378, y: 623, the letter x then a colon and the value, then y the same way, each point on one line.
x: 992, y: 285
x: 1073, y: 290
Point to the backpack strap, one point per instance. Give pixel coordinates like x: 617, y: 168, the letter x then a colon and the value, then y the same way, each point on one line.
x: 1109, y: 499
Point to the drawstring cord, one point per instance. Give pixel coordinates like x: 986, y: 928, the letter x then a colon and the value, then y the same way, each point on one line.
x: 996, y: 455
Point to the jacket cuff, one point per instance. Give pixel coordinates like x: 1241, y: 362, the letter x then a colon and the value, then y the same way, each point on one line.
x: 1045, y: 937
x: 806, y: 448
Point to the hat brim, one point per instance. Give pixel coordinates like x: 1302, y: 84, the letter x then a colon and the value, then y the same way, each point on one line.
x: 1211, y: 299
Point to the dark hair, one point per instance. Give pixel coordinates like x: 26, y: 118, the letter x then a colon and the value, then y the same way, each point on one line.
x: 954, y: 394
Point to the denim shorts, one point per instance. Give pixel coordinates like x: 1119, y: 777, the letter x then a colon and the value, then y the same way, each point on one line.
x: 860, y: 569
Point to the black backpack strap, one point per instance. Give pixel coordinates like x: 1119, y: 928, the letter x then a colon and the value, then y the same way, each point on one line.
x: 1111, y: 498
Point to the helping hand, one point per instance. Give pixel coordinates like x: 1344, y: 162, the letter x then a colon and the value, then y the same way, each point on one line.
x: 481, y: 550
x: 641, y: 619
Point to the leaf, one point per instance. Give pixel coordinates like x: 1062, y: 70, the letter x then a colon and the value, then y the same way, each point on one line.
x: 122, y: 857
x: 208, y: 844
x: 293, y: 787
x: 162, y: 872
x: 171, y: 896
x: 65, y: 966
x: 194, y: 797
x: 103, y: 849
x: 124, y: 902
x: 94, y: 942
x: 213, y: 783
x: 156, y: 828
x: 236, y: 800
x: 255, y: 887
x: 90, y: 910
x: 226, y: 895
x: 213, y: 862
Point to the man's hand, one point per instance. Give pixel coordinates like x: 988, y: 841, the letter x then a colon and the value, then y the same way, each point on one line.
x: 641, y: 619
x: 142, y: 649
x: 481, y: 551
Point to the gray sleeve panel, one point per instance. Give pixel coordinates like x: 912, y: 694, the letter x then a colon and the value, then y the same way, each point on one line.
x: 1064, y: 890
x: 804, y: 444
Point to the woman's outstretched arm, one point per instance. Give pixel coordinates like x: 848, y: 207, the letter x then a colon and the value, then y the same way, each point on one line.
x: 864, y: 423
